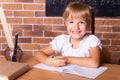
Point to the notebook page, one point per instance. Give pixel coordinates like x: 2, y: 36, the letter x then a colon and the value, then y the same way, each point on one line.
x: 46, y: 67
x: 75, y: 69
x: 85, y: 71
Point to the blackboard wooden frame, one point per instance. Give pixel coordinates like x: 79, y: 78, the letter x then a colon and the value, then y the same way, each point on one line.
x: 104, y: 8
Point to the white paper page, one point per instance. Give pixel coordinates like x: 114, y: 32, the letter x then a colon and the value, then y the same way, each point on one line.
x: 46, y: 67
x: 75, y: 69
x: 84, y: 71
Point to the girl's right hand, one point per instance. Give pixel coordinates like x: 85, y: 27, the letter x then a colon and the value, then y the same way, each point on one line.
x: 56, y: 61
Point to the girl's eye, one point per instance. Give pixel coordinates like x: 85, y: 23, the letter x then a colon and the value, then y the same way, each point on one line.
x: 82, y: 22
x: 70, y: 21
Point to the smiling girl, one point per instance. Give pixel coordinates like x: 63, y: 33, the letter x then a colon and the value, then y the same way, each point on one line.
x: 78, y: 47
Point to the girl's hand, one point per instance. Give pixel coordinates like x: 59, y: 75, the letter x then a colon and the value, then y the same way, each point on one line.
x: 56, y: 61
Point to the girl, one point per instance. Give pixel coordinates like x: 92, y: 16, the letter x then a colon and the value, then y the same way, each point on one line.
x: 78, y: 47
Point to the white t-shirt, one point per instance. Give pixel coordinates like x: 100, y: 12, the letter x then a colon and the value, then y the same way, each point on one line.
x: 61, y: 45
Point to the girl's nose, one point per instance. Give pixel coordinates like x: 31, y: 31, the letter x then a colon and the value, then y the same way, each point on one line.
x: 76, y: 26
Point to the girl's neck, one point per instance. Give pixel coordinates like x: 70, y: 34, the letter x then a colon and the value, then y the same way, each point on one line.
x: 75, y: 42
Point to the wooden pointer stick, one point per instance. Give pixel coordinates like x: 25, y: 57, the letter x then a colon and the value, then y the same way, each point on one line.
x: 10, y: 30
x: 6, y: 29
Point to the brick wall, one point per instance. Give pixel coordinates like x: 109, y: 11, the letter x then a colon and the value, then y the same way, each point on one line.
x: 27, y: 17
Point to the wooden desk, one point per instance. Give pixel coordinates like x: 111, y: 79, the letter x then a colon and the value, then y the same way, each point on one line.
x: 112, y: 73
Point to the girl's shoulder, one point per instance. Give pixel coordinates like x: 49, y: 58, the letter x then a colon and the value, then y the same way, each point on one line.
x: 91, y: 37
x: 93, y: 41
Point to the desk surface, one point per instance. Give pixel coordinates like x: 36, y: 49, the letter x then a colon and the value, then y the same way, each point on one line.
x: 112, y: 73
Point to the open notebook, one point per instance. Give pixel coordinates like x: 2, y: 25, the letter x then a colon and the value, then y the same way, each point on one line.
x: 75, y: 69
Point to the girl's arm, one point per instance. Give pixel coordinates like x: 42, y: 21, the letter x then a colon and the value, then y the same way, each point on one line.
x: 43, y: 57
x: 92, y: 61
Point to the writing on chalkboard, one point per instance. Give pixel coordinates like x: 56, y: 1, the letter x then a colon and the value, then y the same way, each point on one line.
x: 112, y: 2
x: 91, y: 2
x: 109, y: 8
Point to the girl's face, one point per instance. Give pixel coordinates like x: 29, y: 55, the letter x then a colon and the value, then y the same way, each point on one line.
x: 76, y: 27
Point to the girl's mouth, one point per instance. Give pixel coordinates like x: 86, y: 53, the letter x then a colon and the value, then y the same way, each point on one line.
x: 76, y: 32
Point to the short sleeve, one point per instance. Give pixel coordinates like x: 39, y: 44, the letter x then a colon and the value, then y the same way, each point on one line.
x: 94, y: 41
x: 57, y: 43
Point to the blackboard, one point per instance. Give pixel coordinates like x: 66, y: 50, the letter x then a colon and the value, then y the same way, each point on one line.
x: 108, y: 8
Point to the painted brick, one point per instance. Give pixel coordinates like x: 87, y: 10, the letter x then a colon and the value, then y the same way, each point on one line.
x: 39, y: 13
x: 112, y: 22
x: 43, y: 27
x: 115, y: 47
x: 25, y: 40
x: 24, y: 13
x: 115, y: 42
x: 99, y: 22
x: 33, y: 20
x: 14, y: 20
x: 3, y: 40
x: 22, y: 27
x: 30, y: 46
x: 33, y: 33
x: 1, y: 53
x: 12, y: 6
x: 51, y: 34
x: 105, y: 42
x: 58, y: 28
x: 116, y: 29
x: 34, y: 7
x: 103, y: 29
x: 111, y: 35
x: 8, y: 13
x: 99, y: 35
x: 17, y: 31
x: 52, y: 21
x: 42, y: 40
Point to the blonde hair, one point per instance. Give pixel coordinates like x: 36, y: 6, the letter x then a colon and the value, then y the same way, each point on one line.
x: 78, y: 10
